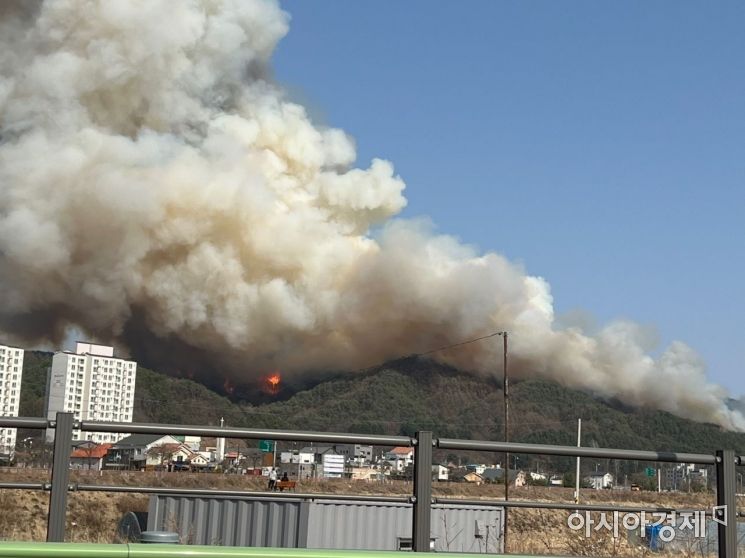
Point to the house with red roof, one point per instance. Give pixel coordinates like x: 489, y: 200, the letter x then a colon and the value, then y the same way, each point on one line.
x: 400, y: 458
x: 89, y: 455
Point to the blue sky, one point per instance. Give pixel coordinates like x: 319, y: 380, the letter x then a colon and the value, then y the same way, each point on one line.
x: 600, y: 144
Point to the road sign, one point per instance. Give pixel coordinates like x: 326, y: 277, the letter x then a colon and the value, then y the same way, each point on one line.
x: 651, y: 471
x: 266, y: 446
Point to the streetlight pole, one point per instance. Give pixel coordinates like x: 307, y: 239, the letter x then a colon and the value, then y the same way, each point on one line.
x: 506, y: 395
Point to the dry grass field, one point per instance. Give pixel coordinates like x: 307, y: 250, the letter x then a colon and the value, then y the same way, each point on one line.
x: 93, y: 516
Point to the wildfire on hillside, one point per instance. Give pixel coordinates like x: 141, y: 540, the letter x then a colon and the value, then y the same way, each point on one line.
x: 272, y: 382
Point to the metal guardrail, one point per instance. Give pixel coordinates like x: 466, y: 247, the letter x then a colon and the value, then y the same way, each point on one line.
x: 423, y: 443
x: 244, y: 433
x: 559, y: 506
x: 81, y: 550
x: 571, y: 451
x: 24, y: 422
x: 247, y: 494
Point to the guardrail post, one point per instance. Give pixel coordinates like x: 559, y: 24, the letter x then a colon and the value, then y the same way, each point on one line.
x: 60, y: 477
x: 726, y: 511
x: 421, y: 527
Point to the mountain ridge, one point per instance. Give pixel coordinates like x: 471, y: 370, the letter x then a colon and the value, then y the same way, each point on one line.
x: 413, y: 394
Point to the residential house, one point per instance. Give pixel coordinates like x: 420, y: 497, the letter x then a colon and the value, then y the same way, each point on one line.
x: 317, y: 452
x: 476, y: 468
x: 464, y: 475
x: 194, y: 442
x: 180, y: 454
x: 89, y: 455
x: 231, y: 458
x: 517, y: 478
x: 439, y: 473
x: 358, y: 454
x: 181, y: 457
x: 139, y: 451
x: 297, y: 457
x: 470, y: 476
x: 201, y: 460
x: 400, y: 458
x: 599, y: 481
x: 366, y: 473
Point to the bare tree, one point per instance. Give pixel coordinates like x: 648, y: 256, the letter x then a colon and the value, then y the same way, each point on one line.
x: 162, y: 452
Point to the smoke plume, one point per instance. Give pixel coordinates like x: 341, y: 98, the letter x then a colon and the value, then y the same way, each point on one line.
x: 159, y: 191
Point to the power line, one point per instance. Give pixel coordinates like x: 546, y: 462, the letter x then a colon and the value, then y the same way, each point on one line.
x: 426, y: 353
x: 454, y: 345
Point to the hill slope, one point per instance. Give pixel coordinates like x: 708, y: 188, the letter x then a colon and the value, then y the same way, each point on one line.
x: 408, y: 395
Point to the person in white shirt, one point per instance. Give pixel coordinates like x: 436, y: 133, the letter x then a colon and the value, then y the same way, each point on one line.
x: 273, y: 479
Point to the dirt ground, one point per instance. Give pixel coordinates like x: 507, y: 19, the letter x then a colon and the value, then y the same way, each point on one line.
x: 94, y: 516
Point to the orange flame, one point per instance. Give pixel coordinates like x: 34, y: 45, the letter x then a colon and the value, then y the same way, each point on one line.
x: 272, y: 382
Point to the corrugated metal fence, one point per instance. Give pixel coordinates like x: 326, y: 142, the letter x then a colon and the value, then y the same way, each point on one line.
x: 327, y: 524
x: 231, y: 521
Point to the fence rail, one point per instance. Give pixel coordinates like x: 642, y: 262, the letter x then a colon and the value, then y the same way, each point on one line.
x: 79, y: 550
x: 572, y: 451
x: 725, y: 462
x: 245, y: 433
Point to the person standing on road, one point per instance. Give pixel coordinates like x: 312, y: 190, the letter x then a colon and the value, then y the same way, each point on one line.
x: 273, y: 479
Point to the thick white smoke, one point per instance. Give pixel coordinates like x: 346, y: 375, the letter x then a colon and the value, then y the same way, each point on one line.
x: 159, y: 191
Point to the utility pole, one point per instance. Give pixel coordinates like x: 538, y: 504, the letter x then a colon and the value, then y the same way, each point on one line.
x: 221, y: 444
x: 576, y: 480
x: 659, y: 478
x: 506, y: 394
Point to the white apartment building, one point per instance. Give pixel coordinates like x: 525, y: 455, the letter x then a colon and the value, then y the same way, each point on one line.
x: 11, y: 370
x: 94, y: 385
